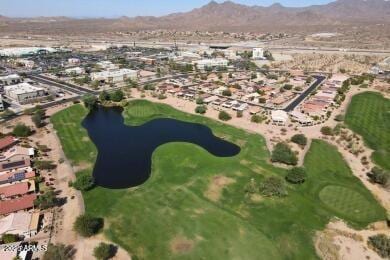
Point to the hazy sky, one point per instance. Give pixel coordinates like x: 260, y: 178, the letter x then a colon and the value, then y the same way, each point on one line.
x: 114, y: 8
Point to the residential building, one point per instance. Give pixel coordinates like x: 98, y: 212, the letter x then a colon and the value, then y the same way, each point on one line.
x: 7, y: 142
x: 73, y: 61
x: 10, y: 79
x: 23, y: 203
x: 21, y: 224
x: 24, y: 92
x: 258, y: 53
x: 114, y: 76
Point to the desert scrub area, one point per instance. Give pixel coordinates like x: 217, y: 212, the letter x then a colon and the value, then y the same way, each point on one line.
x: 196, y: 205
x: 334, y: 63
x: 369, y: 116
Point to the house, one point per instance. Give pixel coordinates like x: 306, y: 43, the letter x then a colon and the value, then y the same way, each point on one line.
x: 279, y: 117
x: 257, y: 53
x: 21, y: 223
x: 23, y: 203
x: 15, y: 163
x: 17, y: 189
x: 301, y: 118
x: 7, y: 142
x: 18, y: 175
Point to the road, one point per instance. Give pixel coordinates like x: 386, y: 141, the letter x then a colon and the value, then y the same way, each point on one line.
x: 301, y: 97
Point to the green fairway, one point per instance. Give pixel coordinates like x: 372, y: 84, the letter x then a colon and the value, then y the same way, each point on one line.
x: 194, y: 206
x: 369, y: 115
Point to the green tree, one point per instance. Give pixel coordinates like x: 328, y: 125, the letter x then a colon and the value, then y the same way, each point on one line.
x: 90, y: 101
x: 104, y: 251
x: 38, y: 116
x: 103, y: 96
x: 257, y: 119
x: 282, y: 153
x: 46, y: 200
x: 380, y: 176
x: 227, y: 93
x: 117, y: 95
x: 299, y: 139
x: 88, y: 226
x: 224, y: 116
x: 296, y: 175
x: 58, y: 252
x: 273, y: 186
x: 201, y: 109
x: 84, y: 182
x: 21, y: 130
x: 199, y: 101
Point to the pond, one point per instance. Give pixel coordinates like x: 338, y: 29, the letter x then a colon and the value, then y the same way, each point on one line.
x: 125, y: 152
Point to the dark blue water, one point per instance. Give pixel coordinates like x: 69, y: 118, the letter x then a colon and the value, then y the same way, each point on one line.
x: 125, y: 152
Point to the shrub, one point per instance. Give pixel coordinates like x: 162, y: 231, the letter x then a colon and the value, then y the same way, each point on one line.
x: 381, y: 244
x: 84, y: 182
x: 44, y: 165
x: 273, y: 186
x: 104, y: 96
x: 339, y: 118
x: 299, y: 139
x: 296, y: 175
x: 104, y: 251
x: 59, y: 252
x: 9, y: 238
x: 283, y: 154
x: 200, y: 109
x: 88, y: 226
x: 224, y: 116
x: 326, y: 130
x: 380, y: 176
x: 257, y: 119
x: 21, y: 130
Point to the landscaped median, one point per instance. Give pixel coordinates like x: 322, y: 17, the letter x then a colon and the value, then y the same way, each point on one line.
x: 196, y: 205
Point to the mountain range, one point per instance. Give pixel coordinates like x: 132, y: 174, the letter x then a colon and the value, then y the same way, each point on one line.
x: 227, y: 16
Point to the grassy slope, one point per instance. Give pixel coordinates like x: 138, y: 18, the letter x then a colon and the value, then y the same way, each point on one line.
x: 369, y: 116
x: 172, y: 204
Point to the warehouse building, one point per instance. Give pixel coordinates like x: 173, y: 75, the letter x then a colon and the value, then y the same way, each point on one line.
x: 24, y: 93
x: 114, y: 76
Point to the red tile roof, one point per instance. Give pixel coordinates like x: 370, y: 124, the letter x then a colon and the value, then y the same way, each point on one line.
x: 7, y: 141
x: 9, y: 206
x: 20, y: 188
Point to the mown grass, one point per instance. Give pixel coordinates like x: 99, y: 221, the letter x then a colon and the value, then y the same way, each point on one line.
x: 369, y: 115
x: 172, y: 216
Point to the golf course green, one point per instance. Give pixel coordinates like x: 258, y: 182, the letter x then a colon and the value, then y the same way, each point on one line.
x: 369, y: 116
x: 197, y: 206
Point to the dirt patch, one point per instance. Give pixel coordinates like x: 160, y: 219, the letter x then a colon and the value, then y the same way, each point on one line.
x: 325, y: 247
x: 181, y: 245
x: 217, y: 184
x: 256, y: 198
x: 85, y: 139
x: 240, y: 142
x: 82, y: 166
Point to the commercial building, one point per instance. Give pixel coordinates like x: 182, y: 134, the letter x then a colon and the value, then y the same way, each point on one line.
x: 17, y: 52
x: 210, y: 63
x: 258, y: 53
x: 75, y: 71
x: 10, y: 79
x: 21, y: 224
x: 24, y: 93
x: 114, y: 76
x: 279, y: 117
x: 107, y: 65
